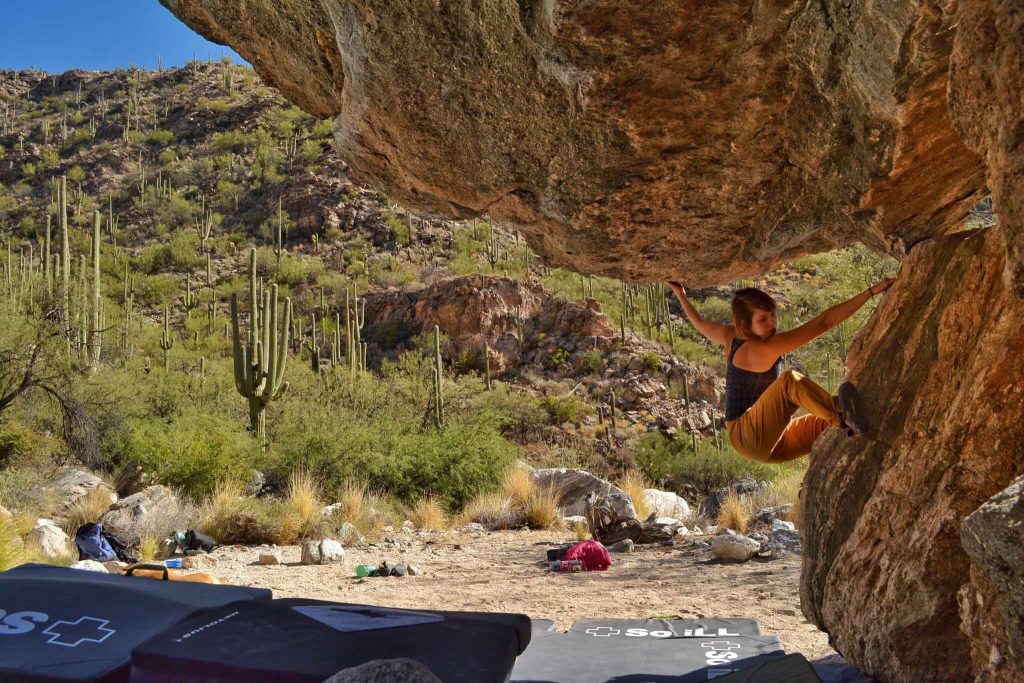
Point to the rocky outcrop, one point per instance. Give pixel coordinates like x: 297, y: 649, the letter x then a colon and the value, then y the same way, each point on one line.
x: 619, y: 136
x: 512, y: 318
x: 151, y: 512
x: 940, y: 367
x: 71, y: 485
x: 573, y: 487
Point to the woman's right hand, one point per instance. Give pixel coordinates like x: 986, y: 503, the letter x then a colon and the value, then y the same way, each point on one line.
x: 881, y: 286
x: 677, y: 287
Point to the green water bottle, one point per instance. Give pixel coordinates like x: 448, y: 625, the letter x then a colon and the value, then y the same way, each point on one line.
x: 366, y: 570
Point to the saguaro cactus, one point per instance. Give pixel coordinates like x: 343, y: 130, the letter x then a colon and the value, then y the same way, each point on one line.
x: 96, y: 333
x: 437, y: 376
x: 260, y: 364
x: 167, y: 340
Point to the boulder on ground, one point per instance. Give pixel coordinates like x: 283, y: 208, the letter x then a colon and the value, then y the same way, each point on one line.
x: 734, y: 547
x: 386, y: 671
x: 572, y: 487
x: 130, y: 480
x: 326, y: 551
x: 273, y: 557
x: 90, y: 566
x: 993, y: 536
x: 147, y: 512
x: 666, y: 504
x: 50, y: 539
x: 70, y: 485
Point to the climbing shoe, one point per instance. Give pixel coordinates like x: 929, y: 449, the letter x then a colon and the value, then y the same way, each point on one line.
x: 849, y: 403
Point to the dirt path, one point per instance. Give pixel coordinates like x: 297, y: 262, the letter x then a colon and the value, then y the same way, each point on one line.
x: 501, y: 571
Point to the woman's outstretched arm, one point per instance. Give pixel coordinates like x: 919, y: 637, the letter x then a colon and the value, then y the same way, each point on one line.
x: 784, y: 342
x: 716, y: 332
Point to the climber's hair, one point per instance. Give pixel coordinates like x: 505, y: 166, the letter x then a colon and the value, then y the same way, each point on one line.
x: 744, y: 303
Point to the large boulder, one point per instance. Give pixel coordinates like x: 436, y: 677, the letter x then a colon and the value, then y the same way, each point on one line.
x: 666, y: 504
x: 71, y: 485
x: 940, y: 366
x: 573, y: 486
x: 731, y: 546
x: 150, y: 512
x: 386, y: 671
x: 992, y: 603
x: 649, y: 140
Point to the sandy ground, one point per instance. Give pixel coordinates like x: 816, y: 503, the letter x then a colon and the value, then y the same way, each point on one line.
x: 505, y: 572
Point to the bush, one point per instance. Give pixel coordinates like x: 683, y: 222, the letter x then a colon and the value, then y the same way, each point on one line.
x: 429, y: 514
x: 192, y: 453
x: 495, y: 511
x: 22, y: 446
x: 651, y: 361
x: 591, y: 361
x: 673, y: 464
x: 562, y: 410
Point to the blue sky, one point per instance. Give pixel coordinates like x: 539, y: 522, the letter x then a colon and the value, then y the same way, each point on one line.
x: 58, y: 35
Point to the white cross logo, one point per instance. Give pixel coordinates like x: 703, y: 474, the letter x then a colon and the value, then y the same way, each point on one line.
x: 603, y: 631
x: 720, y: 645
x: 77, y: 632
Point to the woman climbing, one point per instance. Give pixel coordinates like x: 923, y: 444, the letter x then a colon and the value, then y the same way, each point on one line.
x: 760, y: 399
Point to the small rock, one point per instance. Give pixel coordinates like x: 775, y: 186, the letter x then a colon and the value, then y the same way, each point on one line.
x: 711, y: 530
x: 5, y: 513
x: 735, y: 547
x: 198, y: 562
x: 682, y: 531
x: 573, y: 520
x: 414, y: 570
x: 389, y: 529
x: 408, y: 526
x: 90, y: 566
x: 270, y: 558
x: 326, y: 551
x: 399, y: 570
x: 115, y: 567
x: 50, y: 538
x: 759, y: 537
x: 473, y: 528
x: 766, y: 515
x: 701, y: 544
x: 330, y: 510
x: 257, y: 481
x: 623, y: 546
x: 667, y: 521
x: 782, y: 525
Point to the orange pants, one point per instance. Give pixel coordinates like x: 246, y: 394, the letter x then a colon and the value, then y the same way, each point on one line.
x: 766, y: 433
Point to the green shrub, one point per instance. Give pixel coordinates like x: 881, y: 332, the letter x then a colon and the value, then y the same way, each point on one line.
x: 557, y: 358
x: 24, y: 489
x: 192, y: 452
x: 673, y: 463
x: 563, y: 409
x: 651, y: 361
x: 591, y: 361
x: 22, y: 446
x: 161, y: 137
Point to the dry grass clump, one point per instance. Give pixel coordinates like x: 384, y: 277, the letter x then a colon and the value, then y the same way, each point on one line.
x: 581, y: 530
x: 427, y: 513
x: 633, y: 484
x: 231, y: 518
x: 304, y: 517
x: 789, y: 493
x: 494, y: 510
x: 518, y: 486
x: 12, y: 549
x: 542, y: 508
x: 87, y: 509
x: 148, y: 549
x: 735, y: 513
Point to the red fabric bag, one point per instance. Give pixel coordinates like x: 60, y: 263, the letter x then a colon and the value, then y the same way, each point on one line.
x: 591, y: 554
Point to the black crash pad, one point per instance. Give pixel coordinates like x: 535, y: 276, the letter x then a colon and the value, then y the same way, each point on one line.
x: 644, y: 651
x: 307, y: 641
x: 60, y: 624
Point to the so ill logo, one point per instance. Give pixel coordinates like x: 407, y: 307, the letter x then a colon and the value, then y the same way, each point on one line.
x: 609, y: 631
x: 62, y: 632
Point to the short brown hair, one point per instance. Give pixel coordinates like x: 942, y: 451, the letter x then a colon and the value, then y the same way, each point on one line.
x: 744, y: 303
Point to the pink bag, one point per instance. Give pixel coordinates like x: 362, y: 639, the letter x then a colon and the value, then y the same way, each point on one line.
x: 591, y: 554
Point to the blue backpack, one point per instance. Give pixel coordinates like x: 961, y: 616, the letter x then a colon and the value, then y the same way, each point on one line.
x: 93, y: 544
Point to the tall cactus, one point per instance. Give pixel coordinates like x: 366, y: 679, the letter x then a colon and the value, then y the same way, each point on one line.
x: 190, y: 299
x: 355, y: 319
x: 437, y: 376
x: 46, y: 258
x: 96, y: 334
x: 65, y: 250
x: 167, y: 340
x: 260, y: 364
x: 314, y: 349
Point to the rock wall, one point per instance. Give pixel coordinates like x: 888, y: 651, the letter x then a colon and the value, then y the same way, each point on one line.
x: 638, y: 138
x: 941, y: 366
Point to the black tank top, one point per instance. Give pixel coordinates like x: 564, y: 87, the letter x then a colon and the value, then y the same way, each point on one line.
x: 743, y: 387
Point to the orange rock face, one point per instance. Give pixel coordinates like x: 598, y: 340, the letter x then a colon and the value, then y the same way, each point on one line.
x: 940, y: 367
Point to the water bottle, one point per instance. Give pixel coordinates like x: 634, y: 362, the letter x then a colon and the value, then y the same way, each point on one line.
x: 366, y: 570
x: 566, y: 566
